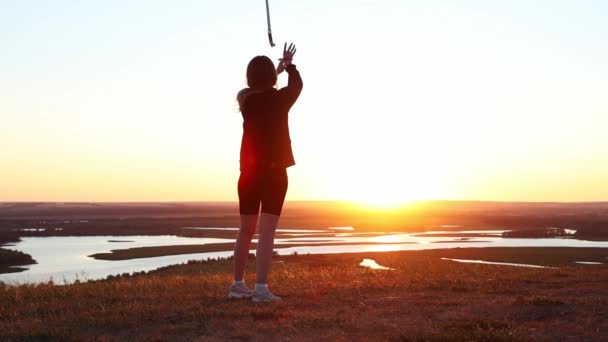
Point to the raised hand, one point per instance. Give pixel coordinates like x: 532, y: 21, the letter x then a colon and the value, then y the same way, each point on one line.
x: 288, y: 53
x: 287, y: 59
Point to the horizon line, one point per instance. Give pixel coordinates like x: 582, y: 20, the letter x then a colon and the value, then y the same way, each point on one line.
x: 302, y: 201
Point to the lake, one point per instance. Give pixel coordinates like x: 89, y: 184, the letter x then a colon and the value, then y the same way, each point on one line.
x: 66, y: 259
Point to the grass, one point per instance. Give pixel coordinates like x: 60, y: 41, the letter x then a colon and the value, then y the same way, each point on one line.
x: 330, y: 297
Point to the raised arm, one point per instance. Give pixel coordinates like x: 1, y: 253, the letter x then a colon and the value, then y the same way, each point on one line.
x: 290, y: 93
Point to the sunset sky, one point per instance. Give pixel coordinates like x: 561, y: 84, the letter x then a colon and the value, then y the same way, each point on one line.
x: 403, y: 100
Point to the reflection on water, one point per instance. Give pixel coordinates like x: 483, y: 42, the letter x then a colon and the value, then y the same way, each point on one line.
x: 373, y: 265
x: 38, y: 230
x: 281, y: 230
x: 468, y: 261
x: 341, y: 228
x: 470, y: 232
x: 390, y: 238
x: 67, y: 258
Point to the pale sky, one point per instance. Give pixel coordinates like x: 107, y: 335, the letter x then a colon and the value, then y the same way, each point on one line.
x: 135, y: 100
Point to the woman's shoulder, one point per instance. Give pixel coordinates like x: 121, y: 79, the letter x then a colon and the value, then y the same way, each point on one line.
x: 265, y: 96
x: 243, y: 94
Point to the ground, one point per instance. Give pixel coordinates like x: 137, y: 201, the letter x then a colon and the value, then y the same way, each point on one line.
x: 10, y: 260
x: 331, y: 297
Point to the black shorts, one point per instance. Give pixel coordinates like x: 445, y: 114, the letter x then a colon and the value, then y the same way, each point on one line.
x: 266, y: 186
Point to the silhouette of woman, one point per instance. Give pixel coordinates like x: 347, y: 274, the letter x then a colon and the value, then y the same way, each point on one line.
x: 265, y: 156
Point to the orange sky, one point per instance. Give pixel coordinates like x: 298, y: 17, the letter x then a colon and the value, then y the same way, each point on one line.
x: 401, y: 101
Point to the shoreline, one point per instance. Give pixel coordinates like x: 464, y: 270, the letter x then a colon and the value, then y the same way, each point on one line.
x: 10, y: 260
x: 158, y: 251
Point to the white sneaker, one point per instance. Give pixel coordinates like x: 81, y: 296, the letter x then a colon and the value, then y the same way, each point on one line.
x: 239, y: 291
x: 264, y: 296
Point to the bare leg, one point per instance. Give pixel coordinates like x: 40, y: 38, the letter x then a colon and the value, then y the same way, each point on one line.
x: 243, y: 241
x: 268, y: 226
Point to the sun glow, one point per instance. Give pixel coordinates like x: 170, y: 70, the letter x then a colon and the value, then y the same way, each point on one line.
x: 383, y: 202
x: 483, y: 102
x: 387, y: 192
x: 394, y: 187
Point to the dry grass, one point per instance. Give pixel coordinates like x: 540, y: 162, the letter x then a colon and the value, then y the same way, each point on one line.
x: 330, y: 297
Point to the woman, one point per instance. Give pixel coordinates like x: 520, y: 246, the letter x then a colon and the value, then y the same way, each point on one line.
x: 265, y: 156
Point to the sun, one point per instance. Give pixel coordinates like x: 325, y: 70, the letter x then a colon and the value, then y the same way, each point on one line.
x: 386, y: 168
x: 384, y: 203
x: 386, y: 200
x: 391, y: 190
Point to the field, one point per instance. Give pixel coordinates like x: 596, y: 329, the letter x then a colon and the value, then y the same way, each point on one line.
x: 330, y: 297
x: 326, y: 297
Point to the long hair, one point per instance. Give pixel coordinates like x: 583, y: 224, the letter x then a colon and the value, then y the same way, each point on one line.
x: 261, y: 73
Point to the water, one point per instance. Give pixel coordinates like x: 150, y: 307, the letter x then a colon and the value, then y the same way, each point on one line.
x: 469, y: 261
x: 65, y: 259
x: 280, y: 230
x: 371, y: 263
x: 342, y: 228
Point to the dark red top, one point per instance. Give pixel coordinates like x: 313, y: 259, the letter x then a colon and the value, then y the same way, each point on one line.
x: 266, y: 141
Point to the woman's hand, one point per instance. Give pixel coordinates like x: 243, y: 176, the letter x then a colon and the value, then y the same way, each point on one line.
x: 288, y: 53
